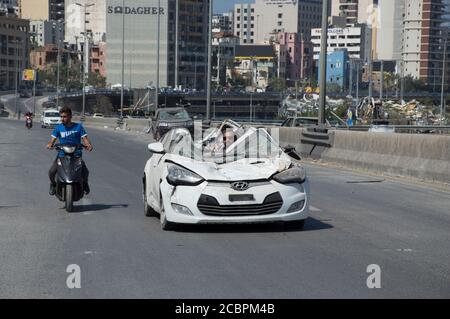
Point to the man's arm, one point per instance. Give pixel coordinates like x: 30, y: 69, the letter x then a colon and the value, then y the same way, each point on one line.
x: 51, y: 143
x: 87, y: 143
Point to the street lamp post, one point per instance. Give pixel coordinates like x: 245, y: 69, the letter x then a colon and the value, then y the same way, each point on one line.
x: 323, y: 62
x: 84, y: 6
x: 208, y: 84
x: 444, y: 61
x: 381, y: 79
x: 157, y: 55
x: 17, y: 77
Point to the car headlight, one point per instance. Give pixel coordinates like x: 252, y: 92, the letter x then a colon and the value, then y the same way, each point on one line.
x: 179, y: 176
x: 292, y: 175
x: 163, y: 124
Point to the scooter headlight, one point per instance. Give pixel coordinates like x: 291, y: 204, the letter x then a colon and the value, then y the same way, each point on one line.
x: 58, y: 161
x: 69, y: 149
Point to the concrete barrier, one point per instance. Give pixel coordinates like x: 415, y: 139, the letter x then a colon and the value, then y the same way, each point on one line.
x: 420, y: 156
x: 413, y: 155
x: 138, y: 125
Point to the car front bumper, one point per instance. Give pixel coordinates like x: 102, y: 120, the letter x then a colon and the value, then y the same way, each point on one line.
x: 188, y: 196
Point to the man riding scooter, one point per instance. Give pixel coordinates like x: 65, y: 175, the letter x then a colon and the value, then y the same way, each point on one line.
x: 29, y: 120
x: 69, y: 133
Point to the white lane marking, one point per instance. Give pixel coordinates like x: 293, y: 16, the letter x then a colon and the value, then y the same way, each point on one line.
x: 314, y: 209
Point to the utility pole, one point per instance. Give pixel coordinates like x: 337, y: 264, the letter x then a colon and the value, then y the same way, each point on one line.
x: 402, y: 81
x: 208, y: 84
x: 177, y: 24
x: 358, y: 68
x: 381, y: 79
x: 157, y: 55
x: 444, y: 61
x: 57, y: 76
x: 350, y: 86
x: 323, y: 62
x: 34, y: 91
x: 86, y: 55
x: 123, y: 61
x: 17, y: 77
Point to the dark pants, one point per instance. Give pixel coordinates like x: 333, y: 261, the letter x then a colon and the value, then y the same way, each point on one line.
x: 53, y: 170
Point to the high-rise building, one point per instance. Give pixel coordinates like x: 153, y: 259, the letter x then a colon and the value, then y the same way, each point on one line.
x: 389, y: 29
x: 14, y: 49
x: 223, y: 22
x: 354, y: 11
x: 42, y: 10
x: 356, y: 39
x: 9, y: 8
x: 256, y: 23
x: 141, y: 42
x: 95, y: 21
x: 426, y: 25
x: 43, y: 33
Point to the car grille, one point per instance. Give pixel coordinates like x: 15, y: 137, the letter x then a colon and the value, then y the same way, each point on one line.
x: 208, y: 205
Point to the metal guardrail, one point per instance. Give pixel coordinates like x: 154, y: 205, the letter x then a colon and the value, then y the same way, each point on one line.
x: 397, y: 128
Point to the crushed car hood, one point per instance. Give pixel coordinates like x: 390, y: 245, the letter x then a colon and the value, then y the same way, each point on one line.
x: 244, y: 170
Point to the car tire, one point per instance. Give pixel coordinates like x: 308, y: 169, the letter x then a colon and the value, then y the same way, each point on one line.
x: 166, y: 225
x: 295, y: 225
x: 148, y: 210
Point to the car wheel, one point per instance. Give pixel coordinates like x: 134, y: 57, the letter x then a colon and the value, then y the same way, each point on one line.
x: 149, y: 211
x: 295, y: 225
x: 166, y: 225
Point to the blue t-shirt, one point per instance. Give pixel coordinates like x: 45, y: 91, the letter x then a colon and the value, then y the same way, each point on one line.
x: 70, y: 135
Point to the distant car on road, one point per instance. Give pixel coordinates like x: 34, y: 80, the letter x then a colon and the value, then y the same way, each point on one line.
x: 50, y: 118
x: 171, y: 118
x: 98, y: 115
x: 24, y: 93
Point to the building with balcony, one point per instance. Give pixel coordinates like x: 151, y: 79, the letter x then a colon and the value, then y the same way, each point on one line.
x: 223, y: 48
x: 425, y: 29
x: 256, y: 64
x: 98, y: 59
x: 255, y: 23
x: 43, y: 33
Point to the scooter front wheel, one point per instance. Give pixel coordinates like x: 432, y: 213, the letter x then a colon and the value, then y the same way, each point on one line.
x: 69, y: 198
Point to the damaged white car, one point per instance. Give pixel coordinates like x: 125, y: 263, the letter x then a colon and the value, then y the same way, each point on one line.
x: 235, y: 175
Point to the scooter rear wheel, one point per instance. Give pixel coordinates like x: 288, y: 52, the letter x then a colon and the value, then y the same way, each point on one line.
x: 69, y: 198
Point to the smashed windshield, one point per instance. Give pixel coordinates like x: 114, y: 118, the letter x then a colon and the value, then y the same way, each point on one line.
x: 173, y: 115
x: 227, y: 147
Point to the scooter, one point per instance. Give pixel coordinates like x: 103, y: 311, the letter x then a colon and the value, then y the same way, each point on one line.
x: 69, y: 179
x: 29, y: 122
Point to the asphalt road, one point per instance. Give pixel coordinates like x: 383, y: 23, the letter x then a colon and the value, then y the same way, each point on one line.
x: 24, y: 105
x: 402, y: 227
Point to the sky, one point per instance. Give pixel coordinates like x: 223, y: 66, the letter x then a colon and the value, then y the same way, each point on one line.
x: 226, y: 5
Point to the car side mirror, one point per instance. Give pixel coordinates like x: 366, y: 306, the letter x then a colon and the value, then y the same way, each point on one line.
x: 292, y: 152
x: 156, y: 148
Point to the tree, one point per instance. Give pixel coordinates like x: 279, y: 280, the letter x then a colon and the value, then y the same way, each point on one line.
x: 277, y: 84
x: 103, y: 105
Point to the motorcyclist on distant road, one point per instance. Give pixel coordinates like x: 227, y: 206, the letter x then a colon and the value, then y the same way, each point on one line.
x: 69, y: 133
